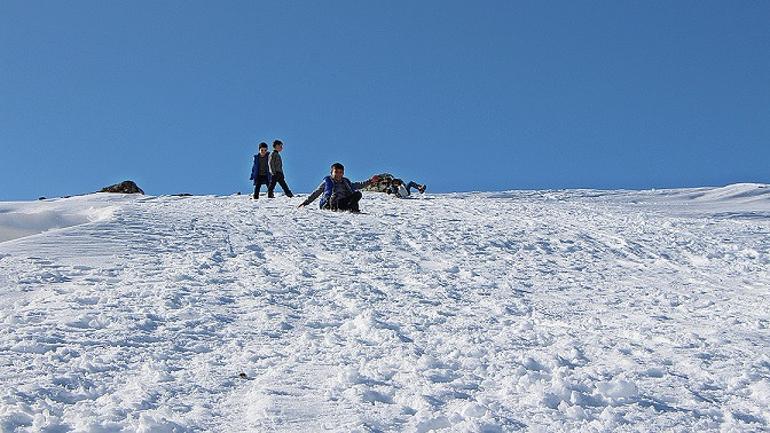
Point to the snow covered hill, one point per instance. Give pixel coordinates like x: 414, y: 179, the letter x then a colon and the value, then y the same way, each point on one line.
x: 535, y: 311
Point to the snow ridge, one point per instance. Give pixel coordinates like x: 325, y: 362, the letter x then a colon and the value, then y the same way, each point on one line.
x: 21, y: 219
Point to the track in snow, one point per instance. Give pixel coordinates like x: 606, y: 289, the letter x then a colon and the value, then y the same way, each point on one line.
x: 532, y: 311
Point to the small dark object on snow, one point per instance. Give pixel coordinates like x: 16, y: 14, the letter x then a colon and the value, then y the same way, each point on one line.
x: 125, y: 187
x: 244, y: 376
x: 184, y: 194
x: 41, y: 198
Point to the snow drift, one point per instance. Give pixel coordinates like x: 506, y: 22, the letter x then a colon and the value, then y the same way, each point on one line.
x: 20, y: 219
x: 741, y: 193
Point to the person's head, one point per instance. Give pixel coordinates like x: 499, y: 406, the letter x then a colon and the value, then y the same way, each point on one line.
x: 277, y: 145
x: 338, y: 170
x: 262, y: 148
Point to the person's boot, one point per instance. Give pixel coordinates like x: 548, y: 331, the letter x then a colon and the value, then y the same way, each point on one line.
x: 421, y: 188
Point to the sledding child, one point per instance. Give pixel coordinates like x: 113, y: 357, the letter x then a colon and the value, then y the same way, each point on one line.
x: 260, y: 171
x: 398, y: 189
x: 276, y: 169
x: 389, y: 184
x: 338, y: 192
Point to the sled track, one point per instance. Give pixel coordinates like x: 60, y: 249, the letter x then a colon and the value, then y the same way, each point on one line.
x: 468, y: 312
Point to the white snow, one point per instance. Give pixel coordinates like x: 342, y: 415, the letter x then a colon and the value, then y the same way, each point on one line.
x: 534, y: 311
x: 20, y: 219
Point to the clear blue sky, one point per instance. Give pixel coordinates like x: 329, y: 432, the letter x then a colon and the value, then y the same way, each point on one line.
x: 467, y: 95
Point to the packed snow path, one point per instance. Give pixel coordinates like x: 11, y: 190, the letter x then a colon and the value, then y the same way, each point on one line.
x: 485, y: 312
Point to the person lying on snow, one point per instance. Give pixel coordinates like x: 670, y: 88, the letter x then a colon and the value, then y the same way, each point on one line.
x: 338, y: 192
x: 397, y: 186
x: 379, y: 182
x: 400, y: 190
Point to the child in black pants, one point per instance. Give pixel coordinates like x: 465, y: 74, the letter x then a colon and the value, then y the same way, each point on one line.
x: 260, y: 171
x: 276, y: 170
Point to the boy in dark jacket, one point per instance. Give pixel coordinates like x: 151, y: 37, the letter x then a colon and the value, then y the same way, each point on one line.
x: 260, y: 171
x: 276, y: 168
x: 337, y: 191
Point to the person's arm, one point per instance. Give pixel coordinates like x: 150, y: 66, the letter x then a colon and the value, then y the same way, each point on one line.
x: 363, y: 184
x: 271, y: 163
x: 314, y: 195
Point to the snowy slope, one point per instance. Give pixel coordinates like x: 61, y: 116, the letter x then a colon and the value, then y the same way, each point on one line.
x: 537, y: 311
x: 20, y: 219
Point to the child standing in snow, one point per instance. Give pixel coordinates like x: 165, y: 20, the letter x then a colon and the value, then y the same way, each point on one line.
x: 260, y: 171
x: 276, y: 169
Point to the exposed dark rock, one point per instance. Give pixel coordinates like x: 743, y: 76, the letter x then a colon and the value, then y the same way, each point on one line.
x: 184, y: 194
x: 125, y: 187
x: 41, y: 198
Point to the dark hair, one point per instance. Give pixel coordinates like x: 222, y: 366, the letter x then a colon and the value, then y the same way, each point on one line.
x: 338, y: 166
x: 277, y: 143
x: 263, y: 144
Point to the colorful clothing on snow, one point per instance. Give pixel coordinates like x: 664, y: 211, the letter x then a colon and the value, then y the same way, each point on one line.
x: 402, y: 191
x: 333, y: 191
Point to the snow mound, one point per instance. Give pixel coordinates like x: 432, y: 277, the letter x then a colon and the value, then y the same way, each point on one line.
x: 21, y: 219
x: 745, y: 193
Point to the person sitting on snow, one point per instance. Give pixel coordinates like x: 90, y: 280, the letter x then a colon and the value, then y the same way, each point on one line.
x: 337, y: 192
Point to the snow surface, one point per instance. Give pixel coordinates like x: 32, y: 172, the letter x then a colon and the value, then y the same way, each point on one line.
x: 20, y: 219
x: 535, y: 311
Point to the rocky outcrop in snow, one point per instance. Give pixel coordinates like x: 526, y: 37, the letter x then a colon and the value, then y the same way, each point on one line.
x: 125, y: 187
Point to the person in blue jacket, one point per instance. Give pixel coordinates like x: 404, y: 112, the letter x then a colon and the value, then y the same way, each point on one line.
x: 260, y: 171
x: 338, y: 192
